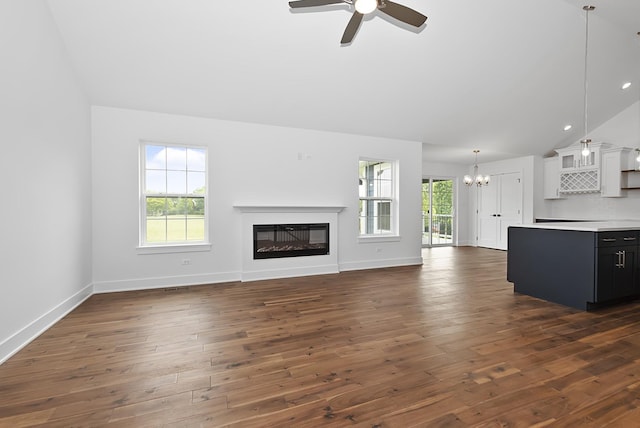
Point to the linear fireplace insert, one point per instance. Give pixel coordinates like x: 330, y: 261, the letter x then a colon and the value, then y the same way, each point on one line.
x: 290, y: 240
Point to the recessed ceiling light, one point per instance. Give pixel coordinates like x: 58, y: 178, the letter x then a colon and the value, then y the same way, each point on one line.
x: 626, y: 85
x: 567, y: 127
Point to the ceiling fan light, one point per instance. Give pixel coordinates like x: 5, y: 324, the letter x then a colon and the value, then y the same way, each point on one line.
x: 366, y: 6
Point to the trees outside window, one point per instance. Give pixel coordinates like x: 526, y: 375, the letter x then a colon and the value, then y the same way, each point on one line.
x: 437, y: 212
x: 173, y: 194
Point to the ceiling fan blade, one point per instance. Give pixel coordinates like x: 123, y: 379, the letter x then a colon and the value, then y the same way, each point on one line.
x: 312, y: 3
x: 403, y: 13
x: 352, y: 27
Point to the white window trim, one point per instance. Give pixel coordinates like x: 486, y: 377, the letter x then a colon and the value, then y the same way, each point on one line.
x: 173, y: 248
x: 394, y: 234
x: 370, y: 239
x: 176, y: 246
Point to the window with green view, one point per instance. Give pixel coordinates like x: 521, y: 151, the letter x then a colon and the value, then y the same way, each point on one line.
x: 174, y: 194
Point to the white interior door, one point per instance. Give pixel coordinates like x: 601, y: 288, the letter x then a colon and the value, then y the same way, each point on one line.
x: 487, y: 213
x: 510, y: 212
x: 499, y: 206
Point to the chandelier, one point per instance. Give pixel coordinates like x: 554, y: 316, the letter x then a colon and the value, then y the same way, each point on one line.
x: 477, y: 179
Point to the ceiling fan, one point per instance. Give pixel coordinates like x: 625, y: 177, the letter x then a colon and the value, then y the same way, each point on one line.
x: 364, y: 7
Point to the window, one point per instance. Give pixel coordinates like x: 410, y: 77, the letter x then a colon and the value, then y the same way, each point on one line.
x: 384, y: 215
x: 173, y: 195
x: 377, y: 197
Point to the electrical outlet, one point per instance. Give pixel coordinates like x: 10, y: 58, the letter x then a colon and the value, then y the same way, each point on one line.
x: 186, y: 262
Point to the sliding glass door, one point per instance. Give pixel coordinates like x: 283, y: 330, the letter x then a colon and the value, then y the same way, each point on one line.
x: 437, y: 212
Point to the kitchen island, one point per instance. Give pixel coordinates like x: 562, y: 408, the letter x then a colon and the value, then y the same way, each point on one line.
x: 580, y: 264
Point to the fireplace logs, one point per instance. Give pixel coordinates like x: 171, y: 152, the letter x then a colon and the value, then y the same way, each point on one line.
x: 290, y: 240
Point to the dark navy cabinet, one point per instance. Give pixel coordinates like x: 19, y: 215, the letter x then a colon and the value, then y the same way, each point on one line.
x: 617, y: 266
x: 577, y: 268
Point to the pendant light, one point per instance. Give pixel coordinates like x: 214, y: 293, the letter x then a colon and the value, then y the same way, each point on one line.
x: 477, y: 179
x: 586, y: 141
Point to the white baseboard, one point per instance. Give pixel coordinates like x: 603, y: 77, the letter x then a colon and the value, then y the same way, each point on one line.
x: 19, y: 340
x: 289, y: 272
x: 24, y: 336
x: 377, y: 264
x: 164, y: 281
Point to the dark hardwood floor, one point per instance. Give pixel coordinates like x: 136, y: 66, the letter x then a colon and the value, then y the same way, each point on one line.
x: 447, y: 344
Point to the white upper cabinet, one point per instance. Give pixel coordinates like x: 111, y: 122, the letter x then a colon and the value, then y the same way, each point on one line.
x: 613, y: 162
x: 578, y: 173
x: 571, y: 158
x: 608, y: 170
x: 551, y: 178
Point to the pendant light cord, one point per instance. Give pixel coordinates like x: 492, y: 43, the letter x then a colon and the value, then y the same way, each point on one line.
x: 586, y: 62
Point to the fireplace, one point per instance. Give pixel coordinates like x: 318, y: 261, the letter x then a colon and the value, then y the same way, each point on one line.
x: 290, y: 240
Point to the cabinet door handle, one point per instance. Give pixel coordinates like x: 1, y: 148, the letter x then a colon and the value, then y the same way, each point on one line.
x: 624, y: 259
x: 629, y: 238
x: 608, y: 239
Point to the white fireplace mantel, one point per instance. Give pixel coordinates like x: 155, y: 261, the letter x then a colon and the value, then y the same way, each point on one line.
x: 253, y: 214
x: 253, y: 208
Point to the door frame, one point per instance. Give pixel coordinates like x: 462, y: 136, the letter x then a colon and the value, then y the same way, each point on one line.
x: 454, y: 207
x: 499, y: 241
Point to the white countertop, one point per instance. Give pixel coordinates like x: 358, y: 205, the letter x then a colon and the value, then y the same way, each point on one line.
x: 587, y: 226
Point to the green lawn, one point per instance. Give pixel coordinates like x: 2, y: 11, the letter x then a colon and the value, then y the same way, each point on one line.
x: 175, y: 228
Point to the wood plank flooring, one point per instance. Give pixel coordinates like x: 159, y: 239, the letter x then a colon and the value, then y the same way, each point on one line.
x: 446, y: 344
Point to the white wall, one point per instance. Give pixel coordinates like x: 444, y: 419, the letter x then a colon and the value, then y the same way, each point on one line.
x: 249, y: 164
x: 531, y: 169
x: 45, y: 220
x: 467, y: 199
x: 622, y: 130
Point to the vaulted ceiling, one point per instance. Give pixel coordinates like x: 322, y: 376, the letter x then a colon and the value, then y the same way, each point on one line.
x: 503, y: 76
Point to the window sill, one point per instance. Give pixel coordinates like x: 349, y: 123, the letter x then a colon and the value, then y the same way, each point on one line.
x: 364, y: 239
x: 175, y: 248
